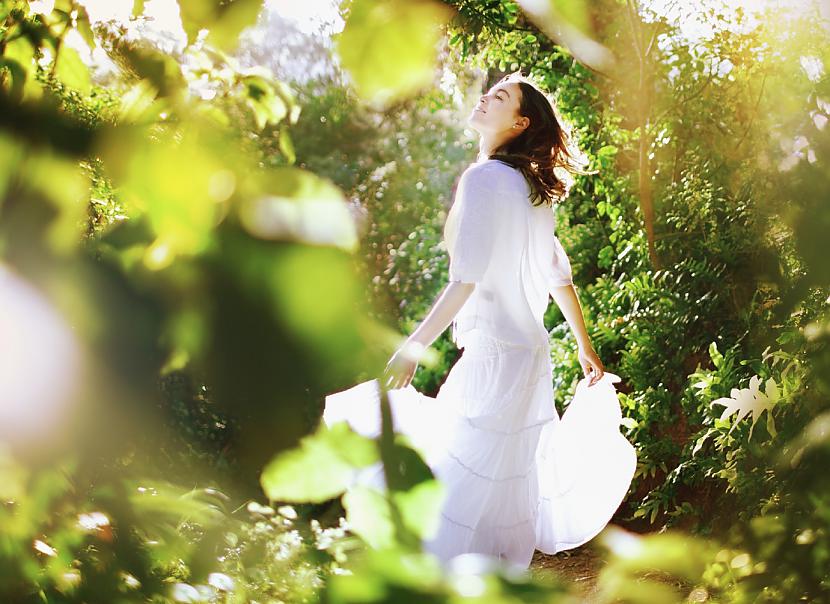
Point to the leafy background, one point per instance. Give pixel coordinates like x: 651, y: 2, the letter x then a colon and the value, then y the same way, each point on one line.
x: 198, y: 244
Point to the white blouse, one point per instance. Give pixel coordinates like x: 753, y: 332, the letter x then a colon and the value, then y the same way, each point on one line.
x: 497, y: 239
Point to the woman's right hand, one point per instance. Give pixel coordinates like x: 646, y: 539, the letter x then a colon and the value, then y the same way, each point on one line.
x: 401, y: 367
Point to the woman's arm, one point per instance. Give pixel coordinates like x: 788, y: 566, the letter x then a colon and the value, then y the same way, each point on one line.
x: 567, y: 300
x: 401, y: 367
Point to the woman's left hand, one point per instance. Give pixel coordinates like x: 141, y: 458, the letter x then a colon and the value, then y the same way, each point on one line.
x: 399, y: 370
x: 590, y: 364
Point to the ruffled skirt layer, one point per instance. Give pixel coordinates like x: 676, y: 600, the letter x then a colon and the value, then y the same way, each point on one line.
x: 518, y: 478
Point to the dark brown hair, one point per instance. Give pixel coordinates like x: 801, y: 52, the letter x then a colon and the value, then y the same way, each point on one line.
x: 545, y: 151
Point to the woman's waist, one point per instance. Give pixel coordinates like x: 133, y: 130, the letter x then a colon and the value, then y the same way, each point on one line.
x: 481, y: 329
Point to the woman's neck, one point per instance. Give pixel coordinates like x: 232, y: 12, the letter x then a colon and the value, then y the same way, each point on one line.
x: 489, y: 144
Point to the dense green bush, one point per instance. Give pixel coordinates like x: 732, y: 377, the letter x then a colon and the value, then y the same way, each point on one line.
x: 227, y: 248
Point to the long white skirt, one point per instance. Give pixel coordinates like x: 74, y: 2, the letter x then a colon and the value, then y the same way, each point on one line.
x: 518, y: 478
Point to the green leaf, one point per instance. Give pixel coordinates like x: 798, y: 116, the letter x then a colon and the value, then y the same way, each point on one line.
x: 389, y: 47
x: 717, y: 357
x: 287, y: 146
x: 18, y: 77
x: 224, y: 19
x: 138, y: 8
x: 606, y: 257
x: 746, y: 401
x: 369, y: 513
x: 84, y: 27
x: 321, y: 467
x: 138, y: 104
x: 72, y: 71
x: 629, y: 422
x: 161, y: 70
x: 19, y: 59
x: 420, y: 506
x: 300, y: 206
x: 269, y: 107
x: 566, y: 23
x: 575, y: 12
x: 369, y: 516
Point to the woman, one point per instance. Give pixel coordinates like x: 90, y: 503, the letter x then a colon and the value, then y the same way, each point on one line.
x: 517, y: 477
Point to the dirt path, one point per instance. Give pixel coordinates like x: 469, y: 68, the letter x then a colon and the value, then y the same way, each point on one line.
x: 582, y: 565
x: 579, y: 566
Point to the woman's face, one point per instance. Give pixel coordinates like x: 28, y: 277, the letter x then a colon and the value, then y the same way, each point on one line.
x: 498, y: 110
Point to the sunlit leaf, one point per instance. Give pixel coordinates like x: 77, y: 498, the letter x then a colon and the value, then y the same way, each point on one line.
x: 224, y: 20
x: 414, y: 492
x: 389, y: 47
x: 138, y: 8
x: 157, y: 68
x: 300, y: 206
x: 68, y: 189
x: 269, y: 99
x: 553, y: 17
x: 268, y: 110
x: 674, y: 553
x: 369, y: 516
x: 575, y: 12
x: 182, y: 211
x: 750, y: 400
x: 402, y: 575
x: 72, y: 71
x: 139, y: 104
x: 715, y: 355
x: 83, y: 25
x: 19, y: 58
x: 420, y: 506
x: 321, y: 467
x: 287, y: 146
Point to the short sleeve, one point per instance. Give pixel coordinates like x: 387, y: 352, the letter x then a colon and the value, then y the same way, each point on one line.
x: 561, y: 274
x: 476, y: 226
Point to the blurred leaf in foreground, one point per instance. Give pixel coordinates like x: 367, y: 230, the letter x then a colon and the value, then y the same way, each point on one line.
x: 321, y: 468
x: 389, y: 47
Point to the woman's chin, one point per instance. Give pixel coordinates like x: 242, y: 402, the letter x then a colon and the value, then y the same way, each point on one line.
x: 474, y: 122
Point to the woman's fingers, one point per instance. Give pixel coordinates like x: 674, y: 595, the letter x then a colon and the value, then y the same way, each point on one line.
x: 398, y: 373
x: 598, y: 372
x: 594, y: 367
x: 586, y: 368
x: 392, y: 380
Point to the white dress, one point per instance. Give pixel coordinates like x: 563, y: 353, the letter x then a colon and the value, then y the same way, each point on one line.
x: 518, y: 478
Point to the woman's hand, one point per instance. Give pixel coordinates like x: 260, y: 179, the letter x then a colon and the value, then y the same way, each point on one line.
x: 401, y: 367
x: 589, y: 360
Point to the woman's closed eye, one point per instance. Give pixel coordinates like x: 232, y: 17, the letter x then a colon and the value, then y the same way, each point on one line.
x: 484, y: 96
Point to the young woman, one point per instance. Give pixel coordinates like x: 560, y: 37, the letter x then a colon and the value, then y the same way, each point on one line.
x: 517, y: 477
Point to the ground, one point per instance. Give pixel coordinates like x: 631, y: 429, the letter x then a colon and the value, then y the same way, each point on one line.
x: 580, y: 565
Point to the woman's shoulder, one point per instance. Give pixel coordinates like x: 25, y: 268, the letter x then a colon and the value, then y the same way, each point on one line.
x: 491, y: 164
x: 490, y: 172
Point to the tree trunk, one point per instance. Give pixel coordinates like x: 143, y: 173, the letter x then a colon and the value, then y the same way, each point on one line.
x: 644, y: 97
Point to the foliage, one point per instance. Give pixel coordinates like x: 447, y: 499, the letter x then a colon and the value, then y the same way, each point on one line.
x: 203, y: 318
